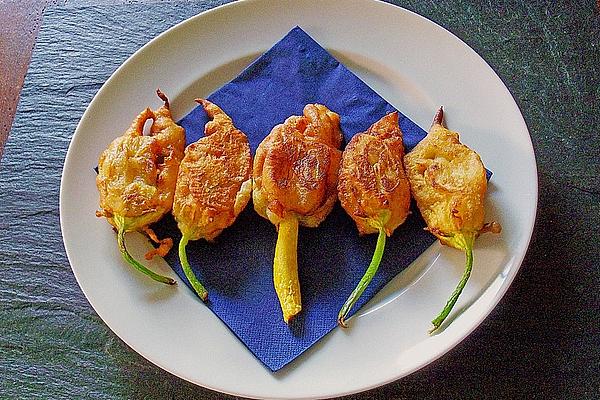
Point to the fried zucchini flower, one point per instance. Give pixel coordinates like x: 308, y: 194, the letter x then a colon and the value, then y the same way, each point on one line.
x: 213, y: 186
x: 295, y: 182
x: 448, y: 182
x: 136, y: 179
x: 374, y: 190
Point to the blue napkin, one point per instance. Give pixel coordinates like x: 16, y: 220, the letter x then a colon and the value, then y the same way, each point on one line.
x: 237, y: 267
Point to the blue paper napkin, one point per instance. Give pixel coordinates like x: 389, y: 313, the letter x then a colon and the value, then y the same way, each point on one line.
x: 237, y: 268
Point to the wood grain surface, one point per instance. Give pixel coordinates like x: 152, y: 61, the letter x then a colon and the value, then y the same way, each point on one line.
x: 540, y: 342
x: 21, y: 20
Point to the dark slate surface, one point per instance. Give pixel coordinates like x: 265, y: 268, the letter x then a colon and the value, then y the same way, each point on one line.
x: 540, y: 342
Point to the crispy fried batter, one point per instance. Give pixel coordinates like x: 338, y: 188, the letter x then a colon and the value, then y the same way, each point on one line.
x: 448, y: 182
x: 137, y: 173
x: 214, y: 182
x: 136, y: 179
x: 374, y: 191
x: 373, y: 187
x: 164, y: 245
x: 296, y: 167
x: 295, y: 182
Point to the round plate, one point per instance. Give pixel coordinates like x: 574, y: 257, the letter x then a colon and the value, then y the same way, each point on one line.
x: 413, y: 63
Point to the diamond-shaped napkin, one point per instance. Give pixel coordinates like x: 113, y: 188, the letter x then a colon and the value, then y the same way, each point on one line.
x: 237, y: 268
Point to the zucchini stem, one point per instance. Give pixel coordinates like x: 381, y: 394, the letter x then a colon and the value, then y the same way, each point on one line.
x: 127, y: 257
x: 468, y: 247
x: 365, y: 280
x: 187, y: 270
x: 285, y: 268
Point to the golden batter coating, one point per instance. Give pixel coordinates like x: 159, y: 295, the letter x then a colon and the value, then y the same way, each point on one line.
x: 295, y: 182
x: 296, y: 167
x: 448, y: 181
x: 137, y: 175
x: 214, y: 184
x: 373, y: 187
x: 374, y: 191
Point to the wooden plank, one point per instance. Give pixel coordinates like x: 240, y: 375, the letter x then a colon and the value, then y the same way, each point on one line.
x: 21, y: 21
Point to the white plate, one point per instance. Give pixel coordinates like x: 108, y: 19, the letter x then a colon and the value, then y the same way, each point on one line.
x: 413, y: 63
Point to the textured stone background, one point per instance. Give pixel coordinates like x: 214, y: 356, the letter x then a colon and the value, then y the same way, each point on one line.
x: 540, y: 342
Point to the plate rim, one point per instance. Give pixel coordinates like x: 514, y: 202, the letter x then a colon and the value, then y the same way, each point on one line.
x: 499, y: 295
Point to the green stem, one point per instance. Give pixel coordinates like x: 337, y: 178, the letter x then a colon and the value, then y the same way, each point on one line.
x: 127, y: 257
x: 198, y: 288
x: 468, y: 247
x: 365, y: 280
